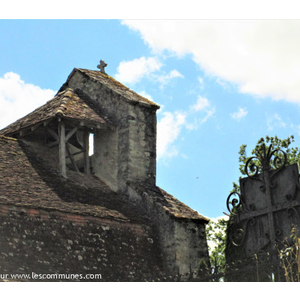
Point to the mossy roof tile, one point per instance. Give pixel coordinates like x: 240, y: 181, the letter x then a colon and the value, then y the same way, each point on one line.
x: 66, y: 104
x: 28, y: 179
x: 170, y: 204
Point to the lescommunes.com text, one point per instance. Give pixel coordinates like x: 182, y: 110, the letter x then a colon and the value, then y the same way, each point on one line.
x: 35, y: 276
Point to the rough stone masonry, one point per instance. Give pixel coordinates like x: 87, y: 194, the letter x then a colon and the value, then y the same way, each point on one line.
x: 65, y: 210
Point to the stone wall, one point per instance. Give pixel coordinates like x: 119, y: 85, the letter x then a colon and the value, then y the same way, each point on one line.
x: 142, y: 145
x: 51, y: 242
x: 129, y: 151
x: 104, y: 161
x: 190, y: 245
x: 182, y: 241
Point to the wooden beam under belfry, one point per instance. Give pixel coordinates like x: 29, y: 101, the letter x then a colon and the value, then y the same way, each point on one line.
x: 62, y: 149
x: 70, y: 155
x: 53, y: 133
x: 34, y: 127
x: 87, y: 168
x: 71, y: 133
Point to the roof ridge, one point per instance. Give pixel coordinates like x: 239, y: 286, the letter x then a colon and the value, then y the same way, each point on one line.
x: 96, y: 75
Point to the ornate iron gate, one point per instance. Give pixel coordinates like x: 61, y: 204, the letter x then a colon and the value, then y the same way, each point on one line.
x: 263, y: 214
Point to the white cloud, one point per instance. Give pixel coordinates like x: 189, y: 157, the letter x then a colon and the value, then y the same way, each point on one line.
x: 201, y: 82
x: 200, y: 120
x: 241, y: 113
x: 174, y: 74
x: 260, y: 56
x: 200, y: 104
x: 18, y: 98
x: 133, y: 71
x: 203, y: 107
x: 274, y: 121
x: 146, y: 95
x: 168, y: 130
x: 165, y: 79
x: 209, y: 114
x: 170, y: 125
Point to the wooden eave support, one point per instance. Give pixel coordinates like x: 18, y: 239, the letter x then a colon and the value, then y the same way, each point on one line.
x: 62, y: 141
x: 22, y: 132
x: 69, y: 135
x: 34, y: 127
x: 71, y: 157
x: 62, y: 149
x: 76, y: 153
x: 53, y: 144
x: 47, y: 122
x: 87, y: 167
x: 26, y: 130
x: 53, y: 133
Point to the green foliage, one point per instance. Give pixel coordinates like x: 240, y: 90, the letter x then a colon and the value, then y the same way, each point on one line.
x: 290, y: 257
x: 293, y: 154
x: 215, y: 233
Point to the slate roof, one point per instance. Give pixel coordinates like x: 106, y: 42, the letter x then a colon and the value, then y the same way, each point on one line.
x: 28, y: 178
x: 113, y: 85
x: 170, y: 204
x: 179, y: 210
x: 66, y: 104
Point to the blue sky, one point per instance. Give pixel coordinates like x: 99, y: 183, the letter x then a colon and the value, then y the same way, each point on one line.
x: 220, y: 84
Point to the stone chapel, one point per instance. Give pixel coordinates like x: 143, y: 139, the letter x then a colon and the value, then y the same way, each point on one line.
x: 65, y: 209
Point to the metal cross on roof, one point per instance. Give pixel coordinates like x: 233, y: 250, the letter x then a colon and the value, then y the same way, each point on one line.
x: 102, y: 65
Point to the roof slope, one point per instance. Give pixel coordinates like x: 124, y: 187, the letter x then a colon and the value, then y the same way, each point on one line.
x: 66, y: 104
x: 28, y: 178
x: 180, y: 210
x: 171, y: 205
x: 114, y: 85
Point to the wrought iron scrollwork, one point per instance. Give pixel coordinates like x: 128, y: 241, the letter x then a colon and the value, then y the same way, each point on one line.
x: 262, y: 256
x: 234, y: 202
x: 267, y: 160
x: 252, y: 169
x: 237, y: 236
x: 292, y: 211
x: 266, y: 163
x: 278, y: 161
x: 297, y: 187
x: 237, y: 203
x: 238, y: 232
